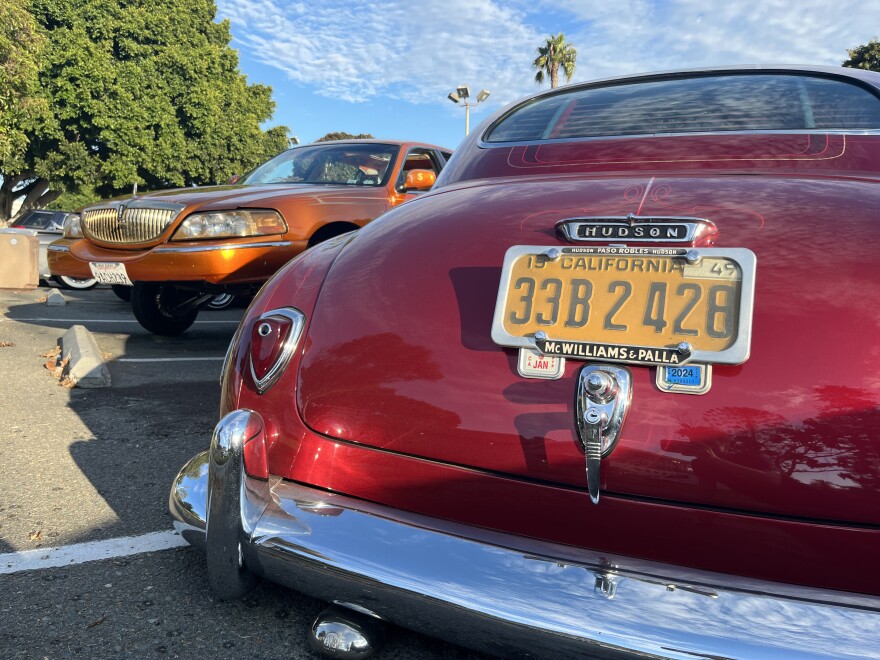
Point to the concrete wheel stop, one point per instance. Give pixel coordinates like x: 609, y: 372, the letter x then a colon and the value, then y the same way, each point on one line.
x: 55, y: 298
x: 85, y: 363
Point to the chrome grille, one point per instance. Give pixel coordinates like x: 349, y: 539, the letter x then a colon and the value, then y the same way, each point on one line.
x: 137, y: 225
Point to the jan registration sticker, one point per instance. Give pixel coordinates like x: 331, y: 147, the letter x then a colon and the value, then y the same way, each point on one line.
x: 533, y: 364
x: 686, y: 379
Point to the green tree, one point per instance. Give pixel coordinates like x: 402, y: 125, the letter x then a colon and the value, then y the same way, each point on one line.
x: 341, y: 135
x: 555, y: 53
x: 142, y: 92
x: 23, y: 110
x: 866, y: 56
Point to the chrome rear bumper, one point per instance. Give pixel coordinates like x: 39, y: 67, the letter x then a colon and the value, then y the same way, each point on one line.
x: 498, y: 593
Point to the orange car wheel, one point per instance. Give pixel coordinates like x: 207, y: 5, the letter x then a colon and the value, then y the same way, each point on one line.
x: 164, y: 309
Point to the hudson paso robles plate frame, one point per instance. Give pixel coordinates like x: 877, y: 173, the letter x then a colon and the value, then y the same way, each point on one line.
x: 584, y: 349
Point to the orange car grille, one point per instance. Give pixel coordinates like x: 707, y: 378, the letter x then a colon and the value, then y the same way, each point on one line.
x: 136, y: 225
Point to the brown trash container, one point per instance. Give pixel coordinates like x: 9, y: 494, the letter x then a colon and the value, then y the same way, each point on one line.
x: 19, y: 259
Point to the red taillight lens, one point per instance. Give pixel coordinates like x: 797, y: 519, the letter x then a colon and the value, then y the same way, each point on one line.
x: 274, y: 337
x: 267, y: 343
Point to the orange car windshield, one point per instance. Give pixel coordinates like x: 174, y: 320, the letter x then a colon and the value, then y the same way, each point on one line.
x: 335, y: 164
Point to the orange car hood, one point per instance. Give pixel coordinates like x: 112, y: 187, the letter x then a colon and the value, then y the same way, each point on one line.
x: 258, y: 196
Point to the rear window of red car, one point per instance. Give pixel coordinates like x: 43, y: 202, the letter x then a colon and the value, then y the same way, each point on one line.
x: 699, y: 104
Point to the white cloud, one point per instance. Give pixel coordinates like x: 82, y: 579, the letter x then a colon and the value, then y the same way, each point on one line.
x: 638, y: 35
x: 414, y: 52
x: 418, y: 52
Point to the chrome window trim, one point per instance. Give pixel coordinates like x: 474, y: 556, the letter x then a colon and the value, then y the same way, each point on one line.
x: 482, y: 144
x: 839, y: 74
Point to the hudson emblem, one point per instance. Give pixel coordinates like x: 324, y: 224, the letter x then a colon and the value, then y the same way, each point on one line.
x: 120, y: 214
x: 604, y: 393
x: 636, y: 229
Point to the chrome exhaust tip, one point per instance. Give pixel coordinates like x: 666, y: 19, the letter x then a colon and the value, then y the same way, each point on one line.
x: 339, y: 632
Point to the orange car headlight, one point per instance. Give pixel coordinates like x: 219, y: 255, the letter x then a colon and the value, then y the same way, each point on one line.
x: 72, y: 227
x: 230, y: 224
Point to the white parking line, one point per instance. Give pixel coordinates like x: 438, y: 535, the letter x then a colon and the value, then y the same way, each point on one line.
x: 174, y: 359
x: 79, y: 553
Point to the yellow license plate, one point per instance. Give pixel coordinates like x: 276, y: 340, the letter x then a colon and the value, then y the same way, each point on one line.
x: 639, y: 305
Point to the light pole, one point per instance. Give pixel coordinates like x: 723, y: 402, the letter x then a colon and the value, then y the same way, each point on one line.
x: 460, y: 97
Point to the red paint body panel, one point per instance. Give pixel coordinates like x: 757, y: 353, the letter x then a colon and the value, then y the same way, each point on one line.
x: 398, y: 395
x: 772, y: 548
x: 685, y: 536
x: 402, y: 359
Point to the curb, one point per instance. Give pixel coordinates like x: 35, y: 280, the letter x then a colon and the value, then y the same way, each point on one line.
x: 85, y: 364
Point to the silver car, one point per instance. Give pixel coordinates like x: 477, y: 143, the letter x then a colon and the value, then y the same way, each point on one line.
x: 47, y: 224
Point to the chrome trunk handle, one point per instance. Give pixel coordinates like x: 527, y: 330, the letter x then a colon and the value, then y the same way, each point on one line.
x: 604, y: 393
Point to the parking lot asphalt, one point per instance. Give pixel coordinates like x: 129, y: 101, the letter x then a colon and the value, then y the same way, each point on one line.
x: 79, y: 466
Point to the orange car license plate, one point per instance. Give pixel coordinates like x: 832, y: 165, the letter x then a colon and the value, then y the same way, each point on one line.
x: 110, y: 272
x: 636, y: 305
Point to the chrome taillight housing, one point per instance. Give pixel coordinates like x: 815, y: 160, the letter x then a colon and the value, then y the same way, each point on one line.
x: 274, y: 338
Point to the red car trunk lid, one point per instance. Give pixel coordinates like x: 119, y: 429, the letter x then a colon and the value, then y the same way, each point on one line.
x: 399, y: 354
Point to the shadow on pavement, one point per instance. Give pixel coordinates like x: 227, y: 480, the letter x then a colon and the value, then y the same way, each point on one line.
x: 141, y: 430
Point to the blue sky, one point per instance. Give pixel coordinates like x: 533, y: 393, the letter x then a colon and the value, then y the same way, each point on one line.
x: 386, y: 67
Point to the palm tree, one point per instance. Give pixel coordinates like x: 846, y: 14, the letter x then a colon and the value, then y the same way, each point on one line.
x: 554, y: 53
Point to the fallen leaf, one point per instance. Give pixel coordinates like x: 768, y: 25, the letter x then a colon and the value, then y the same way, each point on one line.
x: 36, y: 536
x: 58, y: 368
x: 98, y: 621
x: 42, y: 299
x: 6, y: 344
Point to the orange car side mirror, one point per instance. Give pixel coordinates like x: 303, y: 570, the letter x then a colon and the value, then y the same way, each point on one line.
x: 419, y: 180
x: 233, y: 179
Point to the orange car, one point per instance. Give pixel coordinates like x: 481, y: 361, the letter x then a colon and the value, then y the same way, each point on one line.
x: 178, y: 249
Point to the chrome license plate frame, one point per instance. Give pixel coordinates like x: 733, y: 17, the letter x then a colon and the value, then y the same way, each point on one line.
x: 585, y: 349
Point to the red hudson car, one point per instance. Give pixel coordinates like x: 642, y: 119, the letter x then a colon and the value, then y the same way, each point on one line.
x: 610, y: 389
